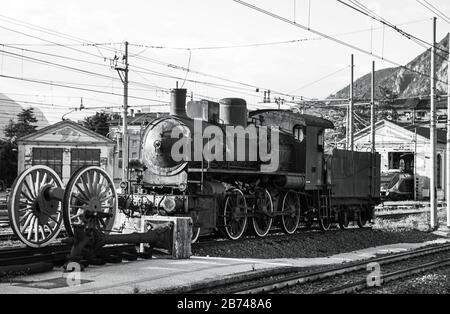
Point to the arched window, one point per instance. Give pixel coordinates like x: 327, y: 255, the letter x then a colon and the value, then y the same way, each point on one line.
x: 439, y: 171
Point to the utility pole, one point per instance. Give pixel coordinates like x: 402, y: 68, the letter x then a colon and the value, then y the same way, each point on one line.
x: 372, y: 126
x: 372, y: 108
x: 433, y: 144
x: 447, y: 168
x: 123, y: 73
x: 350, y: 109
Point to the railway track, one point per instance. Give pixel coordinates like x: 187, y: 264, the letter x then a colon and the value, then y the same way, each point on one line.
x: 23, y: 260
x: 391, y: 276
x: 272, y: 280
x: 399, y: 215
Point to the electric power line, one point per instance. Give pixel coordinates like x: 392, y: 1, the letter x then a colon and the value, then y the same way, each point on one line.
x: 273, y: 15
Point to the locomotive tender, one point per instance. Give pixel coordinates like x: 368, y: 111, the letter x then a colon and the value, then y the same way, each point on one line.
x: 299, y: 184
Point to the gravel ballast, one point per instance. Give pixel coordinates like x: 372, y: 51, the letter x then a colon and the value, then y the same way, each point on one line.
x: 309, y: 244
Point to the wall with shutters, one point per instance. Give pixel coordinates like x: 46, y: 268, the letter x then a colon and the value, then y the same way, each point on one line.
x: 65, y: 147
x: 26, y: 158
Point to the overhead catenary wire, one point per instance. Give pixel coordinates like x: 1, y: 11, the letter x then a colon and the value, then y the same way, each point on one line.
x: 367, y: 12
x: 436, y: 11
x: 320, y: 79
x: 59, y: 34
x: 76, y: 88
x: 341, y: 42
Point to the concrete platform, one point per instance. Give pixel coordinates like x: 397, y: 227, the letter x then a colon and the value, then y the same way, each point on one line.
x: 147, y: 276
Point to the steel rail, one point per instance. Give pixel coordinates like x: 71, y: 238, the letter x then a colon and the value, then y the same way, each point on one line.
x: 296, y: 279
x: 384, y: 278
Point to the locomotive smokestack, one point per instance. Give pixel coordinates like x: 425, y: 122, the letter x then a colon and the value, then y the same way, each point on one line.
x: 178, y: 102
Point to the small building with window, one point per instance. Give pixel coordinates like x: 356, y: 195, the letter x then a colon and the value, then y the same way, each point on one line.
x: 65, y: 147
x: 406, y: 147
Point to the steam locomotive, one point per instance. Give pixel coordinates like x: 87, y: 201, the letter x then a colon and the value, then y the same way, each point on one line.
x: 232, y: 170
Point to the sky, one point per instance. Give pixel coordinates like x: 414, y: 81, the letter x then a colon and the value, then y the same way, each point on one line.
x: 294, y: 68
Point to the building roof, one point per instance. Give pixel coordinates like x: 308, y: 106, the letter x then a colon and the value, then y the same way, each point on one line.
x: 425, y: 132
x: 421, y: 130
x: 63, y: 129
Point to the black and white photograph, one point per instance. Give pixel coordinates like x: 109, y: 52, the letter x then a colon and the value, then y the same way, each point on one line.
x: 225, y: 155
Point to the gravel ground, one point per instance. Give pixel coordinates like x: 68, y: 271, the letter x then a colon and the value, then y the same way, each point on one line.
x: 309, y: 244
x: 435, y: 282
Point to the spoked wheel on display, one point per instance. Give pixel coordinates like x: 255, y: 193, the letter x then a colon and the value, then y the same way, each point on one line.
x: 35, y: 218
x: 262, y: 212
x: 343, y: 219
x: 291, y: 211
x: 234, y: 214
x: 91, y: 199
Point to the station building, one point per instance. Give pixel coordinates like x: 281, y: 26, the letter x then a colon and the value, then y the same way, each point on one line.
x: 65, y: 147
x: 408, y: 146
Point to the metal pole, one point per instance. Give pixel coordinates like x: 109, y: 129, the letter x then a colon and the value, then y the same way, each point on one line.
x: 350, y: 123
x: 124, y: 117
x: 372, y: 127
x: 372, y: 108
x: 415, y: 164
x: 447, y: 167
x: 433, y: 144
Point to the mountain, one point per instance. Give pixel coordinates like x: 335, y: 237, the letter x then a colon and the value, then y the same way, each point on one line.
x: 9, y: 110
x: 399, y: 82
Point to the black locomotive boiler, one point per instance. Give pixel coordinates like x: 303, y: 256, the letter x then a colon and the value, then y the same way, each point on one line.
x: 233, y: 195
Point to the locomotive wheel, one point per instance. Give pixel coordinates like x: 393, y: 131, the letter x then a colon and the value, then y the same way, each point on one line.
x: 343, y: 219
x: 360, y: 218
x: 195, y: 230
x: 235, y: 215
x: 195, y: 234
x: 35, y: 220
x: 90, y: 191
x: 290, y: 206
x: 324, y: 224
x: 263, y: 212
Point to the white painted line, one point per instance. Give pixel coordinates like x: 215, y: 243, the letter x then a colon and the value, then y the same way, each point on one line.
x: 196, y: 262
x: 163, y: 268
x: 244, y: 260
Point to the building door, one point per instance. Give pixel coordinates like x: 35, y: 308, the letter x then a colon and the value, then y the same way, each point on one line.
x: 51, y: 157
x: 84, y: 157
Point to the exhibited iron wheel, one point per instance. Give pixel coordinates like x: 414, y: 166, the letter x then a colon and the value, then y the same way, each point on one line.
x: 35, y: 219
x: 263, y: 212
x: 291, y: 212
x: 90, y: 198
x: 235, y: 214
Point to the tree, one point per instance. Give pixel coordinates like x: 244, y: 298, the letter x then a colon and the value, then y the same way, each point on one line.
x: 23, y: 126
x: 8, y: 148
x: 98, y: 123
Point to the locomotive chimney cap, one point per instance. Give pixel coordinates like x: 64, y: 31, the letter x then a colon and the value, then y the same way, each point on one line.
x: 178, y: 102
